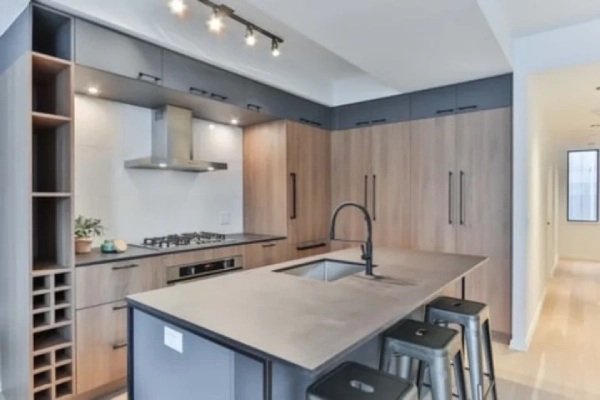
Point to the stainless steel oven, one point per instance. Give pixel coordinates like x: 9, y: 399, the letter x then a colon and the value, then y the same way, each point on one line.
x: 190, y: 272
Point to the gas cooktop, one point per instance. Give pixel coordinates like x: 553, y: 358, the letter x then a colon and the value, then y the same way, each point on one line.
x: 192, y: 239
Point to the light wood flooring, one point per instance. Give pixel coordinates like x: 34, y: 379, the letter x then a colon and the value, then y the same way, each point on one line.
x: 563, y: 361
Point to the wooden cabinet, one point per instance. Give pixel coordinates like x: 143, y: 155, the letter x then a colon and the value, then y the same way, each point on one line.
x: 104, y: 283
x: 101, y: 345
x: 287, y: 182
x: 101, y: 48
x: 371, y: 166
x: 460, y: 191
x: 262, y: 254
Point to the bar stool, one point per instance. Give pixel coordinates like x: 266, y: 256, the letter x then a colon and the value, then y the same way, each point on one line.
x: 474, y: 317
x: 352, y: 381
x: 433, y: 345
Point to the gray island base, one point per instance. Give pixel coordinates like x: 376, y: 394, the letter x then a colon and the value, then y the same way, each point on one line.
x: 267, y: 335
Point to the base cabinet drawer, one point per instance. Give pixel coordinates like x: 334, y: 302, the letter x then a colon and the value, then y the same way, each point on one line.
x: 101, y: 345
x: 308, y: 250
x: 105, y: 283
x: 267, y: 253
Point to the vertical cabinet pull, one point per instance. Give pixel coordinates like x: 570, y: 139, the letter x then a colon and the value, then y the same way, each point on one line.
x: 374, y: 198
x: 293, y: 176
x: 450, y: 198
x: 366, y: 185
x: 461, y: 204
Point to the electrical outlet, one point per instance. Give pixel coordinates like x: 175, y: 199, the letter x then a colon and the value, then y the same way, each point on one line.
x: 225, y: 217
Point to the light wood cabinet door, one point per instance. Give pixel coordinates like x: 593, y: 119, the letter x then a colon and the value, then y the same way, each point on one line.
x: 433, y: 184
x: 101, y: 345
x: 309, y: 183
x: 484, y: 168
x: 351, y: 181
x: 390, y: 184
x: 268, y: 253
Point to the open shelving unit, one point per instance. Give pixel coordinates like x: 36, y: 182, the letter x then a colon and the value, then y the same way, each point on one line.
x: 52, y: 325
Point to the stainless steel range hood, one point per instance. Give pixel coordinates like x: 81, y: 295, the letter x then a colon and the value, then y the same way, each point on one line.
x: 172, y: 144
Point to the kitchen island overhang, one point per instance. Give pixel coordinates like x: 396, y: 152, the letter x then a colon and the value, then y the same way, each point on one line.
x: 282, y: 331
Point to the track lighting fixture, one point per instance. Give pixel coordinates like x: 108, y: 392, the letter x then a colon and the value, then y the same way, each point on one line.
x: 250, y: 36
x: 178, y: 7
x: 215, y: 23
x: 275, y: 48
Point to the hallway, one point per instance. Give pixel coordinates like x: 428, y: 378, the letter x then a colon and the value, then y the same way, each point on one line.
x: 563, y: 361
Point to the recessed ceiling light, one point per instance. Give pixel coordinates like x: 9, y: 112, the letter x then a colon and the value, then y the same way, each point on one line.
x: 234, y: 121
x: 250, y: 36
x: 178, y: 7
x: 211, y: 168
x: 215, y: 23
x: 275, y: 48
x: 211, y: 127
x: 162, y: 165
x: 93, y: 90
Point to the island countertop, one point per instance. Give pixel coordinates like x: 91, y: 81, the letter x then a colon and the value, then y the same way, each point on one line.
x: 304, y: 322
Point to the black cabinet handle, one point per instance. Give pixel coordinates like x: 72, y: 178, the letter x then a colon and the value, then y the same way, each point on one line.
x: 311, y: 246
x: 362, y: 123
x: 121, y: 267
x: 446, y: 111
x: 379, y: 121
x: 461, y: 205
x: 374, y: 198
x: 474, y: 107
x: 217, y: 96
x: 366, y: 184
x: 269, y: 245
x: 119, y: 346
x: 450, y: 198
x: 293, y: 176
x: 315, y: 123
x: 149, y: 78
x: 117, y: 308
x: 310, y: 122
x: 253, y: 107
x: 201, y: 92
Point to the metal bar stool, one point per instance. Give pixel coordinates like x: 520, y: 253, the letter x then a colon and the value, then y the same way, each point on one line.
x: 433, y: 345
x: 474, y: 317
x: 352, y: 381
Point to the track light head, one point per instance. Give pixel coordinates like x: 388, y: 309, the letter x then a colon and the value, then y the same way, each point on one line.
x: 250, y: 36
x: 215, y: 22
x: 275, y: 48
x: 178, y: 7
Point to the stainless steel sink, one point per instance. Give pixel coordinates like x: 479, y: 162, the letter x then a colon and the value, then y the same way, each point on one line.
x: 323, y: 270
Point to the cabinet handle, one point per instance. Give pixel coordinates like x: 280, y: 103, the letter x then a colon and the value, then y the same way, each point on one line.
x: 315, y: 123
x: 461, y: 205
x: 130, y: 266
x: 374, y: 198
x: 269, y: 245
x: 217, y: 96
x: 450, y: 198
x: 446, y: 111
x: 119, y: 346
x: 362, y: 123
x: 366, y: 198
x: 117, y: 308
x: 311, y: 246
x: 293, y: 176
x: 201, y: 92
x: 379, y: 121
x: 474, y: 107
x: 149, y: 78
x: 253, y: 107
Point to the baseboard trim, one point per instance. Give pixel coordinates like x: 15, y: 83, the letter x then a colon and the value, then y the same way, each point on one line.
x: 523, y: 345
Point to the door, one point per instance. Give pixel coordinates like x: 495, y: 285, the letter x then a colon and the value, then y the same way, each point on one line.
x: 484, y: 220
x: 350, y: 154
x: 433, y: 184
x: 390, y: 184
x: 309, y: 160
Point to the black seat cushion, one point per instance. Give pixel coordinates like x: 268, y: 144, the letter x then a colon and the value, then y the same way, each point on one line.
x: 465, y: 307
x: 352, y: 381
x: 423, y: 334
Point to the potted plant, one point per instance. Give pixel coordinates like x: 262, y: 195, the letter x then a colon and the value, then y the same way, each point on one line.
x: 86, y: 229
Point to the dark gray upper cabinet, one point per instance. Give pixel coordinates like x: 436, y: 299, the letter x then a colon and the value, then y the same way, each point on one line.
x: 107, y: 50
x: 266, y: 99
x: 201, y: 79
x: 381, y: 111
x: 308, y: 112
x: 352, y: 116
x: 433, y: 103
x: 484, y: 94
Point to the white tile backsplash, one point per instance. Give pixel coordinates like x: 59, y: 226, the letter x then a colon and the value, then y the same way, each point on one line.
x: 138, y: 203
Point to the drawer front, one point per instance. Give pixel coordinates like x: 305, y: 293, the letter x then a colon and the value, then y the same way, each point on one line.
x: 105, y: 283
x: 262, y: 254
x: 191, y: 257
x: 101, y: 345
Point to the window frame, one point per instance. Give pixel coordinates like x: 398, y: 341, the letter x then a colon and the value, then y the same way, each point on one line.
x: 590, y: 221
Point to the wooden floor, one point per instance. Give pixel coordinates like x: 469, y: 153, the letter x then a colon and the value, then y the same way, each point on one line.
x: 564, y: 358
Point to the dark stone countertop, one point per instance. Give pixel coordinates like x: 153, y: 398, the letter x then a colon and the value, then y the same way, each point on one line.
x: 134, y: 252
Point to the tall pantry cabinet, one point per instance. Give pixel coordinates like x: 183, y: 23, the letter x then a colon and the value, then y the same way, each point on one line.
x: 460, y: 198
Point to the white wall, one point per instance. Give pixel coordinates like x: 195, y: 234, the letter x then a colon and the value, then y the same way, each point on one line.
x: 547, y: 51
x: 139, y: 203
x: 576, y: 239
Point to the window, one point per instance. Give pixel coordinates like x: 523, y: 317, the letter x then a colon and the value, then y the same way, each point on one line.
x: 582, y: 186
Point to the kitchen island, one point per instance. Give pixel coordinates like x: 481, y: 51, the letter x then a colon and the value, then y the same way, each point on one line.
x: 267, y: 334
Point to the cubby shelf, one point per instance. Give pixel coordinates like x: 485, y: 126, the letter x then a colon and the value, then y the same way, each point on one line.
x: 47, y: 64
x: 59, y: 195
x: 45, y: 120
x: 41, y: 268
